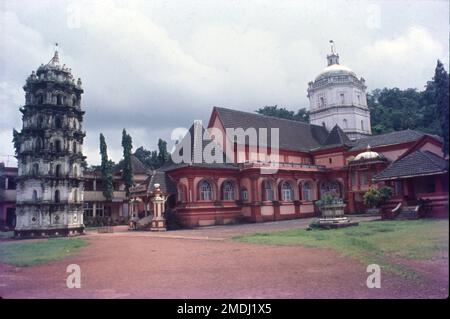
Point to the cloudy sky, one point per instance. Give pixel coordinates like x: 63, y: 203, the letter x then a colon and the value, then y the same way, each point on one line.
x: 152, y: 66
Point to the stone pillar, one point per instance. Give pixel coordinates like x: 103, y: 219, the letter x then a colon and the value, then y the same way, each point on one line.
x: 256, y: 204
x: 351, y: 202
x: 190, y: 196
x: 439, y: 185
x: 158, y: 220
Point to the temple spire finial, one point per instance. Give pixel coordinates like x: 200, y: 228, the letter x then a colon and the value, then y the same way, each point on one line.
x: 333, y: 58
x: 55, y: 59
x: 333, y: 47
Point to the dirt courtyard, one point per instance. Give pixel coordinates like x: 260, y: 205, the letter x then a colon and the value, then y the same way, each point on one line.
x: 206, y: 263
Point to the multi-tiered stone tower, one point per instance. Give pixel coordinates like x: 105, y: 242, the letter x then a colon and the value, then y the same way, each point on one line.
x: 49, y: 153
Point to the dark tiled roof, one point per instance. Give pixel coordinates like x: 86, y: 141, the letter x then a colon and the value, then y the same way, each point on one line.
x: 415, y: 164
x: 294, y: 135
x: 197, y: 144
x: 387, y: 139
x: 167, y: 185
x: 337, y: 137
x: 137, y: 166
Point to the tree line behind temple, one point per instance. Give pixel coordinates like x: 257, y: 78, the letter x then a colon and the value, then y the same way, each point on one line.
x: 396, y: 110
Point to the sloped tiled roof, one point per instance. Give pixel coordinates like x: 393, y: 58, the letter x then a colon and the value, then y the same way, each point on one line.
x: 294, y: 135
x: 417, y: 163
x: 335, y: 138
x: 397, y: 137
x: 197, y: 144
x: 137, y: 166
x: 167, y: 185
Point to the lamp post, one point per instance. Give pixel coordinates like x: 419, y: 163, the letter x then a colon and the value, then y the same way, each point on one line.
x: 158, y: 220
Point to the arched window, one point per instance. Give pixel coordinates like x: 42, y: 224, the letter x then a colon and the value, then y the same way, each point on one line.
x: 40, y: 98
x: 228, y: 191
x: 244, y: 194
x: 75, y: 195
x: 35, y: 169
x: 34, y: 196
x: 345, y: 123
x: 38, y: 145
x: 322, y: 102
x: 58, y: 146
x: 58, y: 99
x: 58, y: 122
x: 181, y: 194
x: 307, y: 191
x: 57, y: 199
x: 74, y: 147
x: 342, y: 98
x: 205, y: 191
x: 362, y: 125
x: 287, y: 193
x: 58, y: 170
x: 268, y: 190
x: 75, y: 170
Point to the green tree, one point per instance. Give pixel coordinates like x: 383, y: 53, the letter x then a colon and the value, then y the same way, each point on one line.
x: 143, y: 155
x: 16, y: 141
x: 106, y: 170
x: 127, y: 173
x: 301, y: 115
x: 441, y: 95
x: 149, y: 158
x: 395, y: 110
x: 163, y: 154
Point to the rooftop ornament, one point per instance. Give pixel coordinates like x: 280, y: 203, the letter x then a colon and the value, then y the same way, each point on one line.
x: 368, y: 154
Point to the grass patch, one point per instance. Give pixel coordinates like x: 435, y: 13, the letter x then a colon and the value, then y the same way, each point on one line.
x: 381, y: 242
x: 37, y: 252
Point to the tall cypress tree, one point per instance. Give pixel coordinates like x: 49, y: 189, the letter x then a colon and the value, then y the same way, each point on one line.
x: 127, y: 173
x: 106, y: 170
x: 441, y: 82
x: 163, y: 155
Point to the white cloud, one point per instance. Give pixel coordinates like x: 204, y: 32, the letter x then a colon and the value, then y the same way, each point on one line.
x: 151, y: 66
x: 403, y: 58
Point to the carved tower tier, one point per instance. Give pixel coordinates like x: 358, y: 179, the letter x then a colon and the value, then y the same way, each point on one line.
x: 49, y: 154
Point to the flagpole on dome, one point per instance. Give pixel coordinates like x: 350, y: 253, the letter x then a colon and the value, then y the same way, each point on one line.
x: 55, y: 59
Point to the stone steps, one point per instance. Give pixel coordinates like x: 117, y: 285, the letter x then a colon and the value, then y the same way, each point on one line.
x: 408, y: 212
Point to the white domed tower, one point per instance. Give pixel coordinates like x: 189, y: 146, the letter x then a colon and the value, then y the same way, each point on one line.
x: 337, y: 96
x: 49, y: 153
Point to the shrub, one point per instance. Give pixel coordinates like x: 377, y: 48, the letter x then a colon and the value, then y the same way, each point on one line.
x: 385, y: 194
x: 375, y: 197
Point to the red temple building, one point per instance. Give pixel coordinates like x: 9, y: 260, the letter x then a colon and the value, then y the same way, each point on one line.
x: 335, y: 153
x: 312, y: 163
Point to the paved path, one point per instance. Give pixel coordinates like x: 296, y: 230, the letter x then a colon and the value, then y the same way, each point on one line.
x: 206, y: 263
